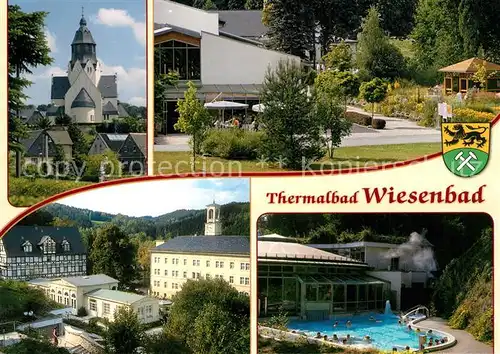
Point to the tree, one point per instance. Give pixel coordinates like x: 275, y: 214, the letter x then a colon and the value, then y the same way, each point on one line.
x: 144, y: 257
x: 113, y: 254
x: 236, y: 4
x: 30, y: 345
x: 291, y: 130
x: 195, y: 294
x: 125, y: 333
x: 254, y: 4
x: 481, y: 75
x: 291, y: 26
x: 63, y: 119
x: 373, y: 92
x: 331, y: 111
x: 42, y: 108
x: 339, y: 57
x: 194, y: 119
x: 397, y: 17
x: 376, y: 56
x: 216, y: 330
x: 209, y: 5
x: 27, y: 49
x: 43, y: 122
x: 163, y: 343
x: 80, y: 145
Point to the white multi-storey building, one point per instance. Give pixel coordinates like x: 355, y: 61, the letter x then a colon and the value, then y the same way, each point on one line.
x: 28, y: 252
x: 201, y: 257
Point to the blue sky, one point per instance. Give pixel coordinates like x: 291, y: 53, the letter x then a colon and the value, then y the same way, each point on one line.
x: 119, y: 30
x: 153, y: 198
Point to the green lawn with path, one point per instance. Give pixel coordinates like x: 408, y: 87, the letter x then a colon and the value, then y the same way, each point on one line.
x: 346, y: 157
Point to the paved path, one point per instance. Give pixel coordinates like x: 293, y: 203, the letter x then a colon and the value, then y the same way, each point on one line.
x: 397, y: 131
x: 466, y: 343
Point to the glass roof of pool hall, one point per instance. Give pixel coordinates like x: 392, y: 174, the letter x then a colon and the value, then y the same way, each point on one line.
x: 226, y: 91
x: 340, y: 279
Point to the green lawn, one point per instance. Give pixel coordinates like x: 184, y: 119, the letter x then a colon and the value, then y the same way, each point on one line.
x: 347, y: 157
x: 24, y: 192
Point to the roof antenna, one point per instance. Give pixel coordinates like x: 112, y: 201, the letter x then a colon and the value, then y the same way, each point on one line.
x: 82, y: 12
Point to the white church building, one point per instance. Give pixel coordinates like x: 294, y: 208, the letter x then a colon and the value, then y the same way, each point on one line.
x: 86, y: 95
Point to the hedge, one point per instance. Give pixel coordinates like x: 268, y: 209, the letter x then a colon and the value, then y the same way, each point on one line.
x: 232, y: 144
x: 359, y: 118
x: 378, y: 123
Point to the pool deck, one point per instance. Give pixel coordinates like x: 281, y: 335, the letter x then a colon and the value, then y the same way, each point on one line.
x: 466, y: 343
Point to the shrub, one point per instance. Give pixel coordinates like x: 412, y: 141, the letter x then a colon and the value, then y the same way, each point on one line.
x: 82, y: 312
x: 378, y: 123
x: 359, y: 118
x: 232, y: 144
x: 429, y: 112
x: 468, y: 115
x: 480, y: 107
x: 485, y: 97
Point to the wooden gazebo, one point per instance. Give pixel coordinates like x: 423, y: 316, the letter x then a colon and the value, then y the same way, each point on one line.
x: 459, y: 77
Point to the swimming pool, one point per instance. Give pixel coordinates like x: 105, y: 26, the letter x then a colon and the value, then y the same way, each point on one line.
x: 385, y: 332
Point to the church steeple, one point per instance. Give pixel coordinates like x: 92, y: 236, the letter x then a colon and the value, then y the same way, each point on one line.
x: 83, y: 47
x: 213, y: 225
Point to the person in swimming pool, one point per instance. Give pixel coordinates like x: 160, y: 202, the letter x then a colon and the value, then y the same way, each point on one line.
x: 348, y: 324
x: 409, y: 327
x: 335, y: 338
x: 372, y: 318
x: 336, y: 324
x: 348, y: 338
x: 325, y: 337
x: 318, y: 335
x: 368, y: 339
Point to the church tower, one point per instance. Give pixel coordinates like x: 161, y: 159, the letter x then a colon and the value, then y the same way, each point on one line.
x: 213, y: 225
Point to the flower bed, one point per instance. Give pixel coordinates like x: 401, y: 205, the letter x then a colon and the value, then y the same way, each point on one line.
x: 468, y: 115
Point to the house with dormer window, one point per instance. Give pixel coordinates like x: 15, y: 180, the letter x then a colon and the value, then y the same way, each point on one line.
x: 29, y: 252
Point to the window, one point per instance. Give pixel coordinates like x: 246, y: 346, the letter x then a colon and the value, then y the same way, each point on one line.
x: 194, y: 262
x: 231, y: 265
x: 247, y: 281
x: 66, y: 246
x: 193, y: 275
x: 92, y: 305
x: 247, y: 266
x: 28, y: 247
x: 105, y: 308
x: 208, y: 263
x: 198, y: 275
x: 231, y: 279
x: 184, y: 275
x: 242, y: 280
x: 165, y: 284
x: 185, y: 261
x: 217, y: 264
x: 178, y: 56
x: 221, y: 264
x: 166, y: 260
x: 242, y: 266
x: 166, y: 272
x: 73, y: 301
x: 395, y: 263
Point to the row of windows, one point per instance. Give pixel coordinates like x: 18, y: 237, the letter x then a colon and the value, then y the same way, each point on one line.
x: 197, y: 263
x: 243, y: 280
x: 46, y: 258
x: 54, y: 271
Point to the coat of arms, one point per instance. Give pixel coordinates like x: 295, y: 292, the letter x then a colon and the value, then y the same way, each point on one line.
x: 466, y: 147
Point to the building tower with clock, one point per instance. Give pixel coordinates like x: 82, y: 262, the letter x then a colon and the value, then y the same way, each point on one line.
x: 213, y: 225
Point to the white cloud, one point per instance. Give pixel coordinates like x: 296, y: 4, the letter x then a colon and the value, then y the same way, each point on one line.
x: 169, y: 195
x: 121, y: 18
x: 47, y: 74
x: 51, y: 40
x: 131, y: 82
x: 137, y: 101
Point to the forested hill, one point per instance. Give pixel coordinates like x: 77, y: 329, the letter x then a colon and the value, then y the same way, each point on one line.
x: 235, y: 220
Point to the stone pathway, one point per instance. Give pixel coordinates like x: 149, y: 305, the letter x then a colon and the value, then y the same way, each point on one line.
x: 466, y: 344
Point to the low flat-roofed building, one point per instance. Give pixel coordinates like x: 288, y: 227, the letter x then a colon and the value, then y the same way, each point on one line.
x: 104, y: 302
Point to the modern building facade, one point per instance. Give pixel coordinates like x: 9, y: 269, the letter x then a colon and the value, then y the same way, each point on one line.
x: 223, y: 65
x: 29, y: 252
x: 312, y: 283
x: 97, y: 294
x: 177, y: 260
x: 84, y: 94
x: 389, y: 262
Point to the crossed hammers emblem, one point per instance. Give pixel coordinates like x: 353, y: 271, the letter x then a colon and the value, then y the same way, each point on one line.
x: 465, y: 160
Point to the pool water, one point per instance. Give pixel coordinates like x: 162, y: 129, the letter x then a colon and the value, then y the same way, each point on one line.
x: 385, y: 332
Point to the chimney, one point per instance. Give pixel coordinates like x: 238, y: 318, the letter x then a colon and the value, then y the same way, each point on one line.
x: 159, y: 242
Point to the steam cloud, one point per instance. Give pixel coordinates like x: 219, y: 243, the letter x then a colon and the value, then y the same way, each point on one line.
x: 417, y: 254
